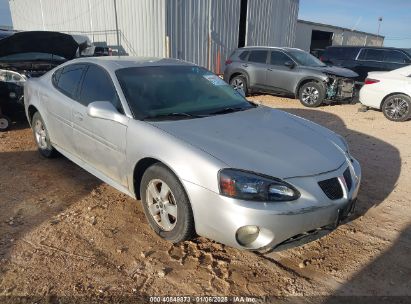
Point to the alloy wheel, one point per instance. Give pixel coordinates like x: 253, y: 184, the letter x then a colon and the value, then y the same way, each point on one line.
x: 396, y: 108
x: 237, y: 84
x: 310, y: 95
x: 161, y: 204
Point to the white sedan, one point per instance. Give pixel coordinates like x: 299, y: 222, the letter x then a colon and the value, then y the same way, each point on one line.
x: 389, y: 92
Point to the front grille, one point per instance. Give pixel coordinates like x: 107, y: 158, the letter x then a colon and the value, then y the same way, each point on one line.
x: 332, y: 188
x: 348, y: 178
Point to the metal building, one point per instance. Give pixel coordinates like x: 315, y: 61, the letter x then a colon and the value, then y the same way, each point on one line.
x: 313, y: 36
x: 201, y: 31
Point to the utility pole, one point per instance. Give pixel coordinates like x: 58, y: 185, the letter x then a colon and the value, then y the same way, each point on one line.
x: 117, y: 32
x: 379, y: 25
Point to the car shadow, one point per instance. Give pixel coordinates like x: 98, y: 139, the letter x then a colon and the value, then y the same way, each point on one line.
x: 384, y: 280
x: 34, y: 190
x: 372, y: 153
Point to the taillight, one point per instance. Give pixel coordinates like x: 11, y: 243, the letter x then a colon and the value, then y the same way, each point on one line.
x: 322, y: 58
x: 371, y: 81
x: 228, y: 61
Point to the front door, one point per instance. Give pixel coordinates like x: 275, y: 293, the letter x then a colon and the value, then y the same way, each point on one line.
x: 101, y: 143
x: 280, y: 78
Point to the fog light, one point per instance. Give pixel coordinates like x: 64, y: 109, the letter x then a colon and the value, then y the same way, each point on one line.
x: 247, y: 234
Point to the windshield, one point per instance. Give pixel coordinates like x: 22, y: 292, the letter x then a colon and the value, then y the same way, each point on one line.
x: 32, y: 57
x: 305, y: 59
x: 178, y: 92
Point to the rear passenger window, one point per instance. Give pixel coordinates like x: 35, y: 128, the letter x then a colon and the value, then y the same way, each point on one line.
x: 395, y: 57
x: 371, y: 55
x: 243, y: 55
x: 343, y: 53
x: 69, y: 79
x: 258, y: 56
x: 97, y: 86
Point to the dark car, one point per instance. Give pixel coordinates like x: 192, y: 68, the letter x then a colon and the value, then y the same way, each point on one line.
x: 367, y: 59
x: 288, y: 71
x: 25, y: 55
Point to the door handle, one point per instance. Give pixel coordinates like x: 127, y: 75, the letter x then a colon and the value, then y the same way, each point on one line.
x: 270, y: 69
x: 78, y: 116
x: 245, y: 65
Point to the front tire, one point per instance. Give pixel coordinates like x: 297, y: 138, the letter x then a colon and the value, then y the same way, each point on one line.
x: 41, y: 136
x: 4, y: 123
x: 397, y: 108
x: 166, y: 204
x: 240, y: 82
x: 311, y: 94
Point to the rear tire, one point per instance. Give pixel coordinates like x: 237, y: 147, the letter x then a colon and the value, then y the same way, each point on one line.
x: 41, y: 137
x: 311, y: 94
x: 397, y: 108
x: 166, y: 204
x: 240, y: 81
x: 4, y: 123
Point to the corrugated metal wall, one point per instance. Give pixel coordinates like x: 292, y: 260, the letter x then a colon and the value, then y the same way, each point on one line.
x: 141, y: 23
x: 272, y: 22
x: 204, y: 32
x: 201, y: 31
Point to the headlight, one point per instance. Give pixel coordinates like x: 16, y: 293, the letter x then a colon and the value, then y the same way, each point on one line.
x: 254, y: 187
x: 12, y: 77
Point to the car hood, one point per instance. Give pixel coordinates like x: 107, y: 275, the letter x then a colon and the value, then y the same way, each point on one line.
x: 262, y: 140
x: 54, y: 43
x: 333, y: 70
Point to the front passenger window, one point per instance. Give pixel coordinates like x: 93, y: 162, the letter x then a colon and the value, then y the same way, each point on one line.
x: 279, y: 58
x: 97, y: 86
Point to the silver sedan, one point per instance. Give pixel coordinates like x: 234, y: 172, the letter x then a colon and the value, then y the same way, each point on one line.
x: 202, y: 159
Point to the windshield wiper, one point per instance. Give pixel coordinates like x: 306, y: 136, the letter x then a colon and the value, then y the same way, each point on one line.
x: 229, y: 110
x: 171, y: 115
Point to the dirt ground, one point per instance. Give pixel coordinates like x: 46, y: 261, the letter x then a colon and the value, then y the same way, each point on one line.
x: 64, y: 233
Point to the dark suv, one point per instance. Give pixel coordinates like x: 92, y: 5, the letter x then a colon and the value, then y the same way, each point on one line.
x: 367, y: 59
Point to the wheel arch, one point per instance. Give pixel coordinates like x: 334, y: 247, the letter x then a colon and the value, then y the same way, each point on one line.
x: 240, y: 73
x: 307, y: 80
x: 141, y: 167
x: 392, y: 94
x: 30, y: 113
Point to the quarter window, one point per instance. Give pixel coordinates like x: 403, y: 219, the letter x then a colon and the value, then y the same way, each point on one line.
x: 244, y: 55
x: 395, y: 57
x: 97, y: 86
x: 69, y: 79
x: 279, y: 58
x: 258, y: 56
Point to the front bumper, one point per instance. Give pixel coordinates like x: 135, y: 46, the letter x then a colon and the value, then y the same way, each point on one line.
x: 218, y: 217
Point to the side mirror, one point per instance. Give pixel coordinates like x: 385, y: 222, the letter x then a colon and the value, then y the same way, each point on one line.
x: 105, y: 110
x: 290, y: 64
x: 240, y: 91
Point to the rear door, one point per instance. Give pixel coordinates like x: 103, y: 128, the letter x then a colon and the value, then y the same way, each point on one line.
x: 256, y: 67
x: 59, y: 103
x: 101, y: 143
x: 280, y: 77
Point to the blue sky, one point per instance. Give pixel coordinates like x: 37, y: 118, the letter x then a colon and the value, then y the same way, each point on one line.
x: 5, y: 18
x: 363, y: 15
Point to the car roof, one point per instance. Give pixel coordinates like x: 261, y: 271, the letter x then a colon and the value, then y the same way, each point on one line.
x: 121, y: 62
x: 364, y: 47
x: 269, y: 48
